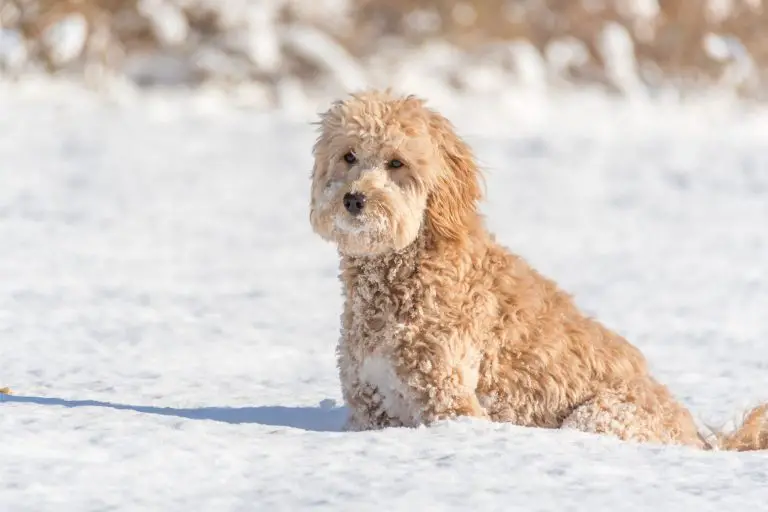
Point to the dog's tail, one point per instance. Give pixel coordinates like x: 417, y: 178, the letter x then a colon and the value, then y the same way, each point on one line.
x: 751, y: 435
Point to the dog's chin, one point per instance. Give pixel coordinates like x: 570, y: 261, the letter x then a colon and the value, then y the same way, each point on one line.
x: 364, y: 240
x: 377, y: 232
x: 365, y: 236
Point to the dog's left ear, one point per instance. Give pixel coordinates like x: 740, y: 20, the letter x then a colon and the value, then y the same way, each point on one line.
x: 452, y: 205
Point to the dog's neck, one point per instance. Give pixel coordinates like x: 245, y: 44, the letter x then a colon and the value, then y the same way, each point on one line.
x: 387, y: 282
x: 391, y: 267
x: 390, y: 287
x: 394, y: 266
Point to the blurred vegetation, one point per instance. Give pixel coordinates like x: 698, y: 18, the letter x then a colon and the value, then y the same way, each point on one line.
x: 682, y: 43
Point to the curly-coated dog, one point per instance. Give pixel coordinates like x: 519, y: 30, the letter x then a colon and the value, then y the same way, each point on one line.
x: 441, y: 321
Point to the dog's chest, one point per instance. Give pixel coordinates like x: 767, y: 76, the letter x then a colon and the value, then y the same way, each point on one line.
x: 383, y: 315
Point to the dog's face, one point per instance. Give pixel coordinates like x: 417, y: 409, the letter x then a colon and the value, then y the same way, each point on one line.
x: 384, y: 169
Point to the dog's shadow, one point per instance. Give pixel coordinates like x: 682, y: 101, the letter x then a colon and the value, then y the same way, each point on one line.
x: 324, y: 418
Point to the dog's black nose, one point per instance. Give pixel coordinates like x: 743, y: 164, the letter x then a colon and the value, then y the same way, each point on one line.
x: 354, y: 203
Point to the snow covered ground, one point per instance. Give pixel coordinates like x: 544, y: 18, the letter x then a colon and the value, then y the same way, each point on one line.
x: 168, y: 320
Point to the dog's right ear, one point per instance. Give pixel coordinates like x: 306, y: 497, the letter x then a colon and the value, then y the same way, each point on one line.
x: 452, y: 205
x: 317, y: 156
x: 324, y: 125
x: 329, y: 122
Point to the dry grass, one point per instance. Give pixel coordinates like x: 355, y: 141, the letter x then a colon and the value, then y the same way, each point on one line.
x: 669, y: 44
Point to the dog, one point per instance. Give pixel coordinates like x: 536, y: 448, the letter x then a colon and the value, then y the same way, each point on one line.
x: 440, y: 321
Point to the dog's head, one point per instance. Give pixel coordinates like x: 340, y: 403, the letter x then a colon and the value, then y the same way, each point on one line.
x: 387, y: 168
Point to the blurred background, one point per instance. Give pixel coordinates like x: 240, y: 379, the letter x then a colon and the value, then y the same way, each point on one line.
x: 271, y: 52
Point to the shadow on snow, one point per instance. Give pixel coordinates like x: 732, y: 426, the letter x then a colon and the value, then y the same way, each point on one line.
x: 314, y: 419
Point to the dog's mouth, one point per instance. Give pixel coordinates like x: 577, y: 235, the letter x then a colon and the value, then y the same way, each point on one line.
x: 365, y: 224
x: 350, y: 225
x: 358, y: 235
x: 362, y: 219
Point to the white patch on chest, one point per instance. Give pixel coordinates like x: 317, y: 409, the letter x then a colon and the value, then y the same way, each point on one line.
x: 379, y: 372
x: 469, y: 367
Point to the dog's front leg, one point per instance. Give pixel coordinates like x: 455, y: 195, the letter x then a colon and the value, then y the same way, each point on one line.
x: 364, y: 400
x: 439, y: 385
x: 366, y: 410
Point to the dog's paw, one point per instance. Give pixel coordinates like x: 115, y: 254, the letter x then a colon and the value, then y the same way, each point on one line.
x: 463, y: 408
x: 354, y: 424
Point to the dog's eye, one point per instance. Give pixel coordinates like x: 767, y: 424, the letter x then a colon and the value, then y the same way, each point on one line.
x: 395, y: 164
x: 350, y: 158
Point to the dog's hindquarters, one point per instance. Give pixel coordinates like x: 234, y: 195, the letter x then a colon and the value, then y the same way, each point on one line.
x: 641, y: 410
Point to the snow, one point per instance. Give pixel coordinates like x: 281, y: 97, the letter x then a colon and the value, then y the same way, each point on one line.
x: 168, y: 320
x: 618, y: 51
x: 66, y: 38
x: 168, y: 21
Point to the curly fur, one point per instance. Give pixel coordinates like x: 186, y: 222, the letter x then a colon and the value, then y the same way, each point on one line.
x: 440, y: 321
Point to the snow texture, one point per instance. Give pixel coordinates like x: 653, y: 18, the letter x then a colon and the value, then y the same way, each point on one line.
x: 168, y: 320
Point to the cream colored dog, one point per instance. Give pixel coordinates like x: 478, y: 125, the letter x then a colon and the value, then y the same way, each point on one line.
x: 441, y: 321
